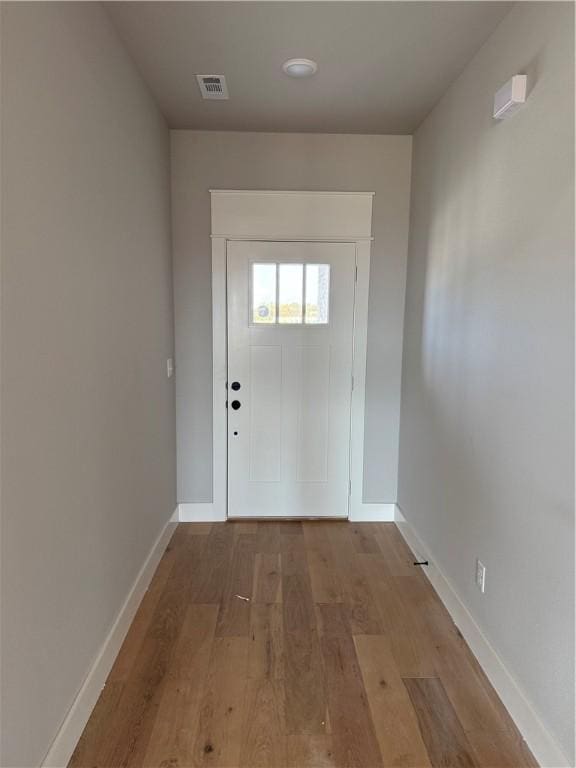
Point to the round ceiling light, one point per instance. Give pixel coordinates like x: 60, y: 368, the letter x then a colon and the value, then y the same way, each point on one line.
x: 300, y: 67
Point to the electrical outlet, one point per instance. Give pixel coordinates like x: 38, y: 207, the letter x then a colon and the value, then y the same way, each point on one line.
x: 169, y: 367
x: 481, y: 576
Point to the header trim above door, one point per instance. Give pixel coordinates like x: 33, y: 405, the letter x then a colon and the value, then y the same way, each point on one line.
x: 275, y: 215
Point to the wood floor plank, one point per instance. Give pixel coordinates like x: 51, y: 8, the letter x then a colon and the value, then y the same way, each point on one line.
x: 234, y: 616
x: 394, y: 717
x: 353, y: 737
x: 363, y: 538
x: 322, y: 564
x: 310, y: 752
x: 357, y: 593
x: 174, y: 730
x: 410, y: 642
x: 291, y: 527
x: 296, y: 592
x: 210, y: 579
x: 268, y: 537
x: 197, y: 529
x: 266, y: 654
x: 348, y: 711
x: 267, y: 578
x: 393, y: 547
x: 441, y: 730
x: 219, y: 736
x: 323, y: 576
x: 358, y: 596
x: 340, y: 541
x: 264, y: 739
x: 292, y: 542
x: 315, y: 534
x: 304, y: 682
x: 241, y: 527
x: 332, y: 620
x: 500, y: 750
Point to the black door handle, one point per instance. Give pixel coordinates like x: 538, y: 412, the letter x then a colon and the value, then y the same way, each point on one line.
x: 235, y: 386
x: 235, y: 404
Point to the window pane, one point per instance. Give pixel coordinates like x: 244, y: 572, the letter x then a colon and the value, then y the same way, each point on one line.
x: 290, y: 293
x: 264, y: 293
x: 317, y: 293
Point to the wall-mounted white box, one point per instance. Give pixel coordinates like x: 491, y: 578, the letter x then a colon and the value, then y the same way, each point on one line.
x: 510, y: 97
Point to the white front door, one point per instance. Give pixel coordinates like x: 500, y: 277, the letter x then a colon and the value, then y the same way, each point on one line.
x: 290, y: 342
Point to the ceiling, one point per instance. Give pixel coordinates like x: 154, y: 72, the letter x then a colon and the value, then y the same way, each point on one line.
x: 381, y: 65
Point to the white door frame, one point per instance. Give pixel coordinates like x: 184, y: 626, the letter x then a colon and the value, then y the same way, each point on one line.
x: 288, y: 216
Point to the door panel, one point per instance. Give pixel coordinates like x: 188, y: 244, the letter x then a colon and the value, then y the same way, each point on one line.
x: 265, y: 413
x: 313, y: 416
x: 290, y: 340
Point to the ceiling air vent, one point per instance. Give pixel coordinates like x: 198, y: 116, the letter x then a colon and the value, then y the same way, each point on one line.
x: 212, y: 86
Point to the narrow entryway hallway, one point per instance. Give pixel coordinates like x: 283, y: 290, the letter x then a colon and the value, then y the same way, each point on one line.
x: 296, y: 645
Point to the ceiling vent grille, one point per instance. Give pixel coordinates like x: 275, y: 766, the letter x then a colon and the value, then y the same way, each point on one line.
x: 212, y: 86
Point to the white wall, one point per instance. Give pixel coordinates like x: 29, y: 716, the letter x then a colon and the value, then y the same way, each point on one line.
x: 486, y: 448
x: 205, y: 160
x: 88, y: 437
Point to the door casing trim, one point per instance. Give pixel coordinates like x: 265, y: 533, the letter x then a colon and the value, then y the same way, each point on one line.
x: 234, y: 213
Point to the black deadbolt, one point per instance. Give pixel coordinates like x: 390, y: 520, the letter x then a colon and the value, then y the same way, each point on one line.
x: 235, y: 385
x: 235, y: 404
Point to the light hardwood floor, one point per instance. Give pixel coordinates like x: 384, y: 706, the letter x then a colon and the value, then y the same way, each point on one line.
x: 295, y: 645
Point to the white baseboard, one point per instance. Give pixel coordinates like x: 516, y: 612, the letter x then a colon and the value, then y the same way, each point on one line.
x: 71, y: 729
x: 363, y: 512
x: 538, y: 738
x: 200, y: 513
